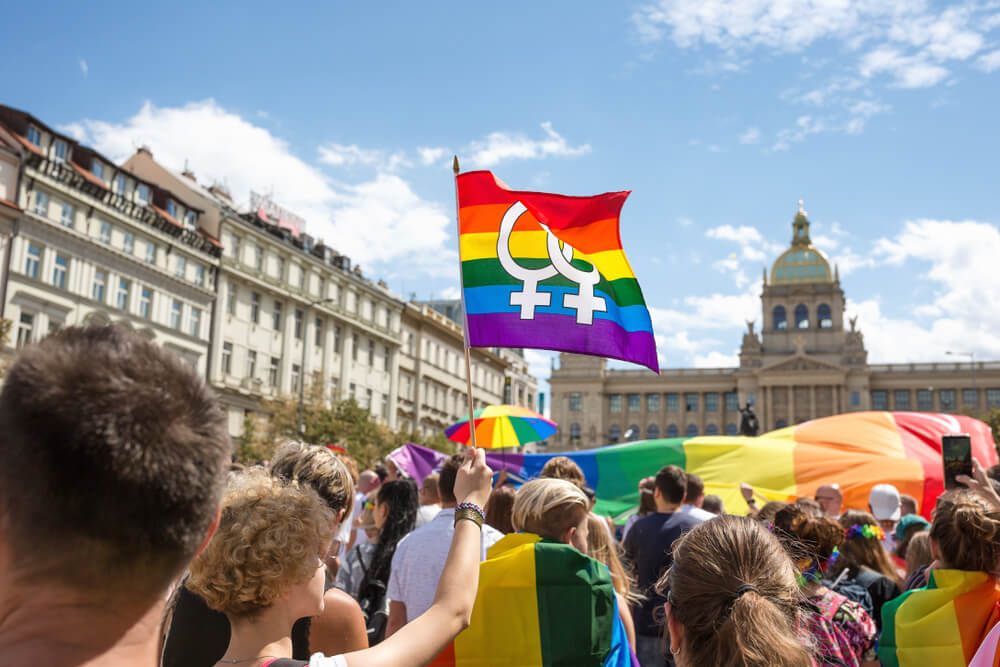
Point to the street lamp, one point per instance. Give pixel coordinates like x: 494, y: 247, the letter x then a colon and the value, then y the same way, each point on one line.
x: 302, y: 366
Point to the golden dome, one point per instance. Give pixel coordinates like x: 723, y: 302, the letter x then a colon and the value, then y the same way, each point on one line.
x: 803, y: 262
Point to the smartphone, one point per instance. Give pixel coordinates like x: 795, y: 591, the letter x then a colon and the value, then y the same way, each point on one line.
x: 956, y: 453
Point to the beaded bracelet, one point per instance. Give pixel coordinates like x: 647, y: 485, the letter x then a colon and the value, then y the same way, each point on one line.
x: 470, y: 514
x: 474, y: 507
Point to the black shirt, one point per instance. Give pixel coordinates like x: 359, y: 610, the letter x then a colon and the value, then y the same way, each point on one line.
x: 648, y: 548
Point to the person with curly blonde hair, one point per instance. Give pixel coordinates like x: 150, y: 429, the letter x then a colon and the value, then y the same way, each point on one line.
x: 264, y: 570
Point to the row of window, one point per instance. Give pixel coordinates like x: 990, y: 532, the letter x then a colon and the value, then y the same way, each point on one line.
x: 123, y: 240
x: 925, y: 399
x: 672, y: 400
x: 824, y: 317
x: 653, y: 431
x: 100, y: 290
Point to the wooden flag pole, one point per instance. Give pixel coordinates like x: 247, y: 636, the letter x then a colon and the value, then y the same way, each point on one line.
x: 465, y: 315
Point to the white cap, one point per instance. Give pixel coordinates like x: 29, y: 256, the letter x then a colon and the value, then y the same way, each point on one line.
x: 884, y: 501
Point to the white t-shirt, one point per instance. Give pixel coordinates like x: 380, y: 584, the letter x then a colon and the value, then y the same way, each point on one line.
x: 347, y: 525
x: 697, y: 513
x: 419, y: 561
x: 425, y: 513
x: 320, y: 660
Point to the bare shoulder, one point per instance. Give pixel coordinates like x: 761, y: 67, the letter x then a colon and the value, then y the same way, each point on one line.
x: 340, y: 600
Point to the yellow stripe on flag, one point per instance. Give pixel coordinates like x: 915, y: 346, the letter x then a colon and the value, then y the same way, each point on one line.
x: 508, y: 624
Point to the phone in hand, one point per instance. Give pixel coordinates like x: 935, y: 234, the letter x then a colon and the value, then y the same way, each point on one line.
x: 956, y: 453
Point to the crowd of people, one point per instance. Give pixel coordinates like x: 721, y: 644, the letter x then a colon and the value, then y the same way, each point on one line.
x: 128, y: 538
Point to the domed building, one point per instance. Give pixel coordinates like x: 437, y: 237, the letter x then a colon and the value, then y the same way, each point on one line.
x: 804, y: 363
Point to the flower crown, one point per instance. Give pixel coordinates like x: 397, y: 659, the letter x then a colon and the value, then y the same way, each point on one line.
x: 865, y: 530
x: 810, y: 569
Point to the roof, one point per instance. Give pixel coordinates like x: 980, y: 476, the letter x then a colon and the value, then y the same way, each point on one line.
x: 10, y: 204
x: 167, y: 216
x: 803, y: 263
x: 89, y: 176
x: 27, y: 144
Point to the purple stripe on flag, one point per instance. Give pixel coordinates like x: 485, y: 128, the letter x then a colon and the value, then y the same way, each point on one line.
x: 417, y: 461
x: 603, y: 338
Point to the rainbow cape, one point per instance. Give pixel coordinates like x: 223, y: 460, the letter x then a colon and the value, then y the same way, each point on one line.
x: 548, y: 271
x: 540, y: 603
x: 942, y: 624
x: 856, y: 450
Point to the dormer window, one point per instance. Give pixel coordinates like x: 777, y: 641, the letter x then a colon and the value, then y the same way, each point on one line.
x: 142, y: 193
x: 97, y: 169
x: 172, y: 209
x: 120, y: 185
x: 190, y: 220
x: 34, y: 136
x: 59, y: 151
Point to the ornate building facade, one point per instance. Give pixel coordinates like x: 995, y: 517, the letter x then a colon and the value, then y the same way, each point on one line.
x: 804, y: 363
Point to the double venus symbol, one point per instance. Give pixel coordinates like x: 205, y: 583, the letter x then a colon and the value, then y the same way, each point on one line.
x: 560, y: 258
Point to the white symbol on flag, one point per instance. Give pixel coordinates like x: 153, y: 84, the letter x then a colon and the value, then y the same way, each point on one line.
x: 583, y: 302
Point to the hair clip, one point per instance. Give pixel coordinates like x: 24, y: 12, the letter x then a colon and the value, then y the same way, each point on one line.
x: 865, y: 530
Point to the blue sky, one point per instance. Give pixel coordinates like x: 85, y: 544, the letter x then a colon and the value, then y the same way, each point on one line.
x: 719, y: 116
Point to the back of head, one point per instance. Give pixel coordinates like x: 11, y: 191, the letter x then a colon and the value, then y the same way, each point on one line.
x: 806, y: 536
x: 500, y: 509
x: 429, y: 488
x: 713, y: 504
x: 114, y: 460
x: 695, y: 488
x: 563, y: 467
x: 967, y: 532
x: 671, y: 482
x: 918, y: 552
x: 446, y: 478
x: 269, y: 535
x: 733, y: 589
x: 809, y: 506
x: 549, y: 507
x: 647, y: 503
x: 863, y: 546
x: 352, y: 467
x: 769, y: 510
x: 318, y: 468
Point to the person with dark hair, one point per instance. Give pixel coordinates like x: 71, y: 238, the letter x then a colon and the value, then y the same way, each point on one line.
x: 500, y: 508
x: 843, y: 631
x: 694, y: 497
x: 733, y: 598
x: 420, y: 556
x: 365, y: 573
x: 114, y: 461
x: 648, y: 549
x: 866, y: 561
x: 714, y: 505
x: 945, y: 622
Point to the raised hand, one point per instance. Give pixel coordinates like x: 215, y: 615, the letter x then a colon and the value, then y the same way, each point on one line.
x: 472, y: 484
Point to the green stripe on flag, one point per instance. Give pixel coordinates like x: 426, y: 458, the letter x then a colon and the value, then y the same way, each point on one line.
x: 486, y: 272
x: 576, y: 606
x: 621, y: 467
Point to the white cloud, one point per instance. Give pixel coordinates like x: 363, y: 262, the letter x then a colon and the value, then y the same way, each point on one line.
x: 450, y: 293
x: 909, y: 71
x: 804, y: 126
x: 430, y: 155
x: 989, y: 62
x: 716, y: 311
x: 377, y: 222
x: 751, y: 136
x: 716, y: 359
x: 500, y: 146
x: 741, y: 234
x: 84, y: 67
x: 75, y: 130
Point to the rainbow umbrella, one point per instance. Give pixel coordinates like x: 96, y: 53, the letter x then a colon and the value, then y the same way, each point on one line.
x: 499, y: 426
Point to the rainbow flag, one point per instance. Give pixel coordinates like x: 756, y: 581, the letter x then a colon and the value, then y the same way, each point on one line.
x: 942, y: 624
x: 541, y: 603
x: 548, y: 271
x: 856, y: 450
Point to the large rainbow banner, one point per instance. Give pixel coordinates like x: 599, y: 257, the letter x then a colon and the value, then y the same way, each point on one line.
x: 548, y: 271
x: 857, y: 451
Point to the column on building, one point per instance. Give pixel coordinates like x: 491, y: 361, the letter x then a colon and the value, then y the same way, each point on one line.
x: 393, y: 371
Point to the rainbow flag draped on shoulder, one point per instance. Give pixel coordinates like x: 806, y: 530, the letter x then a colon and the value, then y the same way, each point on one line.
x: 541, y: 603
x: 942, y: 624
x: 548, y: 271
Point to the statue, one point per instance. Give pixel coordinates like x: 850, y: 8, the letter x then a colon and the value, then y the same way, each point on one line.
x: 748, y: 421
x: 750, y: 324
x: 854, y: 322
